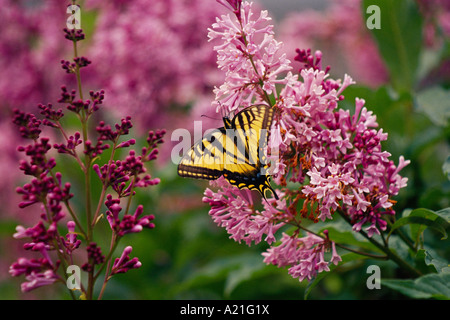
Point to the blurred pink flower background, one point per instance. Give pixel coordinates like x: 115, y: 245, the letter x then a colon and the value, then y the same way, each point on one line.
x: 340, y: 33
x: 153, y: 60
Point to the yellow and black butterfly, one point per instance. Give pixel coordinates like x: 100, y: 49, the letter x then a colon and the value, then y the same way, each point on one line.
x: 234, y: 151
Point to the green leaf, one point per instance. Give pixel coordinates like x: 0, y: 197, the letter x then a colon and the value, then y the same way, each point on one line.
x: 429, y: 286
x: 432, y: 259
x: 446, y: 167
x: 233, y: 269
x: 341, y: 232
x: 425, y: 218
x: 435, y: 103
x: 423, y: 140
x: 250, y: 266
x: 444, y: 214
x: 399, y: 39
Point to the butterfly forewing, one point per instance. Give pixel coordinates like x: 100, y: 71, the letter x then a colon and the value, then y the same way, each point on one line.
x: 256, y: 122
x: 206, y: 157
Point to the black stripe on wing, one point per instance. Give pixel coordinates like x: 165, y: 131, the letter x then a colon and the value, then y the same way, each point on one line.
x: 197, y: 172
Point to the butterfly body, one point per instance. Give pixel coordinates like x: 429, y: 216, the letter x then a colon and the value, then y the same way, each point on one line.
x: 235, y: 151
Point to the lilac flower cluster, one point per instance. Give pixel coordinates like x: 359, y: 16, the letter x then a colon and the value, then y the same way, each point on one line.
x: 324, y: 159
x: 305, y: 256
x: 234, y: 210
x: 47, y: 191
x: 251, y: 64
x: 46, y: 188
x: 128, y: 223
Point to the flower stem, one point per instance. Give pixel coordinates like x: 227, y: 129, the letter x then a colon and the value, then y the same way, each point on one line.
x: 260, y: 79
x: 390, y: 254
x: 105, y: 183
x: 131, y: 195
x: 87, y: 172
x: 108, y: 260
x: 77, y: 69
x: 61, y: 129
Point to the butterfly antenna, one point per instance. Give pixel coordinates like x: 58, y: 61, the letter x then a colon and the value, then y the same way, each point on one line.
x: 206, y: 116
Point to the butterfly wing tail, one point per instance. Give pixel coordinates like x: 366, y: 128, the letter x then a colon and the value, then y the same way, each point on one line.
x: 266, y: 186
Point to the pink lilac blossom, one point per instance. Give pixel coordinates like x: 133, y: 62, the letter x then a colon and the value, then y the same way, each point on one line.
x: 248, y: 36
x: 339, y: 29
x: 334, y: 158
x: 305, y: 256
x: 235, y: 212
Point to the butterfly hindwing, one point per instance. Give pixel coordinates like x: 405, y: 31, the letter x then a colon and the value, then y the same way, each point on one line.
x: 234, y: 151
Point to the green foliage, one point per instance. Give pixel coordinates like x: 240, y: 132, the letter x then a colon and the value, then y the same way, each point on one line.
x: 425, y: 219
x: 399, y: 40
x: 435, y: 103
x: 435, y: 286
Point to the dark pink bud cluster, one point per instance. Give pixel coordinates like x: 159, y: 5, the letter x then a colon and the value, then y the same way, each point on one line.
x: 70, y: 145
x: 124, y: 263
x: 107, y: 133
x: 97, y: 98
x: 310, y: 60
x: 95, y: 150
x: 37, y: 234
x: 25, y: 266
x: 124, y: 175
x: 128, y: 223
x: 51, y: 115
x: 42, y: 271
x: 82, y: 62
x: 367, y: 141
x: 154, y: 139
x: 68, y: 66
x: 67, y: 97
x: 79, y: 105
x: 38, y: 163
x: 70, y: 241
x: 95, y: 257
x: 74, y: 34
x: 29, y: 125
x: 78, y: 62
x: 112, y: 175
